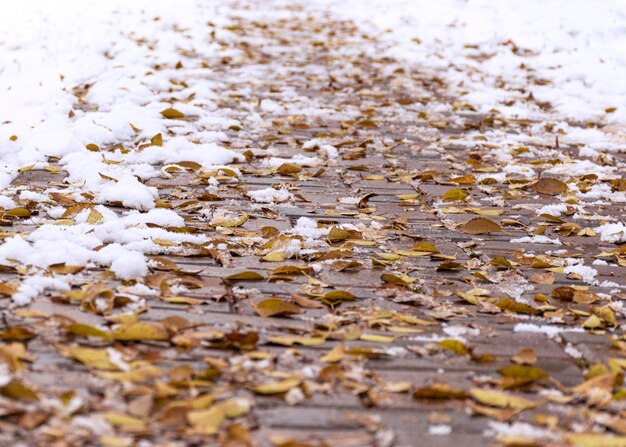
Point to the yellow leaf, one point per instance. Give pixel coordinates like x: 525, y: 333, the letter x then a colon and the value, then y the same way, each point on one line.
x: 139, y: 373
x: 171, y: 113
x: 596, y: 440
x: 140, y: 331
x: 523, y: 372
x: 97, y: 358
x: 164, y: 242
x: 455, y: 346
x: 125, y: 422
x: 425, y: 246
x: 337, y: 234
x: 244, y: 276
x: 18, y: 212
x: 290, y: 341
x: 13, y: 354
x: 182, y: 300
x: 63, y: 269
x: 17, y: 390
x: 27, y: 168
x: 407, y: 196
x: 230, y: 223
x: 389, y: 256
x: 501, y: 399
x: 272, y: 307
x: 209, y: 420
x: 336, y: 297
x: 274, y: 256
x: 377, y: 338
x: 397, y: 387
x: 157, y: 140
x: 484, y: 212
x: 587, y: 232
x: 84, y: 330
x: 95, y: 217
x: 399, y: 279
x: 288, y: 169
x: 116, y: 441
x: 282, y: 386
x: 455, y: 194
x: 516, y: 307
x: 334, y: 355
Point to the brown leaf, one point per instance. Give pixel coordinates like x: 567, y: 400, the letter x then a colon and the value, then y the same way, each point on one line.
x: 272, y: 307
x: 63, y: 269
x: 244, y: 276
x: 525, y: 357
x: 480, y: 225
x: 549, y: 186
x: 516, y: 307
x: 288, y: 169
x: 439, y: 391
x: 17, y: 333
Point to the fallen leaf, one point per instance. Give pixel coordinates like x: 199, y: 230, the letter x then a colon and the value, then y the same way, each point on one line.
x: 244, y: 276
x: 439, y: 391
x: 480, y: 225
x: 549, y: 186
x: 173, y: 114
x: 140, y: 331
x: 500, y: 399
x: 525, y: 357
x: 455, y: 194
x: 282, y: 386
x: 272, y: 307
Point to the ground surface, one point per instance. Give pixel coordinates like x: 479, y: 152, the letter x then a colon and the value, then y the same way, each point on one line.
x: 407, y: 275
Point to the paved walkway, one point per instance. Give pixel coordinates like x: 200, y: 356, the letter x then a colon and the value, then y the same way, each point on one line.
x: 374, y: 295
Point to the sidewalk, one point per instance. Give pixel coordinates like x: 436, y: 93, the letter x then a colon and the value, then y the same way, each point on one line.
x: 280, y: 235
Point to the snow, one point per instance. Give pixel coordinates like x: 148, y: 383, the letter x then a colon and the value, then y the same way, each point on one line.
x: 5, y: 376
x: 550, y: 331
x: 269, y: 195
x: 553, y: 210
x: 439, y: 430
x: 518, y: 429
x: 612, y: 232
x: 75, y: 73
x: 33, y: 286
x: 130, y: 192
x: 536, y: 240
x: 308, y: 228
x: 457, y: 332
x: 128, y: 264
x: 298, y: 159
x: 577, y: 48
x: 575, y: 266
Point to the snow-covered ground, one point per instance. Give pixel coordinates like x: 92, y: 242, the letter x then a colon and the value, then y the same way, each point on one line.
x: 77, y: 76
x: 571, y: 54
